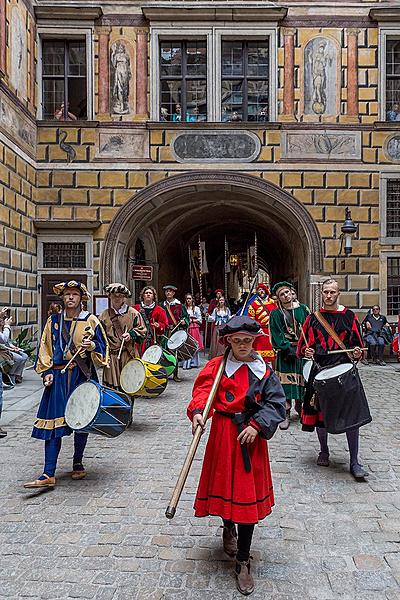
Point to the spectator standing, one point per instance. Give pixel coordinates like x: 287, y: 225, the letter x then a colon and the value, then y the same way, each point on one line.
x: 374, y: 327
x: 3, y: 432
x: 19, y: 357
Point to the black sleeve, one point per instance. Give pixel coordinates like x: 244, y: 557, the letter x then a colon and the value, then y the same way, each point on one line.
x: 272, y: 411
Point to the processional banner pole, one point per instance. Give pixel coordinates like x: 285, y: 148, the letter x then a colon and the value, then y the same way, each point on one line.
x: 200, y: 269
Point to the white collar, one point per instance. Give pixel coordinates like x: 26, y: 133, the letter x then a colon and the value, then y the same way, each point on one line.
x: 152, y: 305
x: 122, y: 310
x: 173, y: 302
x: 82, y: 315
x: 257, y: 365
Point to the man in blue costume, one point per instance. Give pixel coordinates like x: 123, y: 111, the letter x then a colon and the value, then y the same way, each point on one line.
x: 62, y: 336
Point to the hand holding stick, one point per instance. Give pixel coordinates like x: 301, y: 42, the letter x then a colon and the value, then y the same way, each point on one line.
x: 122, y: 345
x: 350, y: 350
x: 87, y: 336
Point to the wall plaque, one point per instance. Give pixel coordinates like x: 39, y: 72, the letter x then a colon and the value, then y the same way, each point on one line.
x: 392, y: 149
x: 308, y: 145
x: 216, y: 146
x: 142, y: 272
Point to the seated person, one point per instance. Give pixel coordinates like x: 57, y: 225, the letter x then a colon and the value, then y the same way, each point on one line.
x: 394, y: 113
x: 374, y: 326
x: 163, y: 114
x: 19, y: 357
x: 59, y: 114
x: 177, y: 116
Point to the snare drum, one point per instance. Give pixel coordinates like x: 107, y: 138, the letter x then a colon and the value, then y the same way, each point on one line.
x: 183, y: 344
x: 142, y: 378
x: 93, y: 408
x: 159, y: 356
x: 342, y: 399
x: 307, y: 369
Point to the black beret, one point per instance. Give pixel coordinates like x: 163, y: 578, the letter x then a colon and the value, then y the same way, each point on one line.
x: 240, y: 324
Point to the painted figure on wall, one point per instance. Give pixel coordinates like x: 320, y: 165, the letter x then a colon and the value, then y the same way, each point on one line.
x: 18, y: 73
x: 121, y: 76
x: 320, y: 77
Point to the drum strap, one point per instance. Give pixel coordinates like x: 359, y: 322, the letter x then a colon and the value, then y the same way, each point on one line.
x: 81, y: 362
x: 330, y: 330
x: 151, y: 333
x: 170, y: 313
x: 114, y: 317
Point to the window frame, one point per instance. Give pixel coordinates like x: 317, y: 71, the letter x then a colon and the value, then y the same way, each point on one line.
x: 384, y: 238
x: 384, y: 35
x: 214, y: 35
x: 384, y: 255
x: 184, y: 78
x: 66, y: 34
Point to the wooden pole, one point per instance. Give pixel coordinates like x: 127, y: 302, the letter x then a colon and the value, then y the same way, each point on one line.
x: 171, y: 508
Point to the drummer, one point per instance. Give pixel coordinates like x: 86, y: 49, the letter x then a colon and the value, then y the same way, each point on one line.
x: 315, y: 345
x: 124, y: 326
x: 177, y: 317
x: 62, y: 335
x: 154, y: 317
x: 285, y: 329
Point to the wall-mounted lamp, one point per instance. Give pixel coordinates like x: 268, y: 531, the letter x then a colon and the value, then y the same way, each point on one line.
x: 348, y: 229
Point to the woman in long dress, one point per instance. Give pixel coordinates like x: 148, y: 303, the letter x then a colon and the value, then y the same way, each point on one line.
x: 194, y: 330
x: 219, y: 316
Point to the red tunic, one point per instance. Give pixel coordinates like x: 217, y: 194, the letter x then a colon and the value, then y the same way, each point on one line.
x: 260, y: 310
x: 225, y: 488
x: 157, y: 315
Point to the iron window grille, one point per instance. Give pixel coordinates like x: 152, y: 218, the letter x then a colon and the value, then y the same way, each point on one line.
x: 183, y: 81
x: 393, y: 286
x: 393, y: 208
x: 245, y: 80
x: 64, y: 79
x: 393, y: 79
x: 64, y: 256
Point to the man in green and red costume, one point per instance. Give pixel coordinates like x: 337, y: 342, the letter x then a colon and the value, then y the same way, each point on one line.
x: 177, y: 316
x: 285, y: 326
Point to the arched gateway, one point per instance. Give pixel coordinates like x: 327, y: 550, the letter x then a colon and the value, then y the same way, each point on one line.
x: 169, y: 215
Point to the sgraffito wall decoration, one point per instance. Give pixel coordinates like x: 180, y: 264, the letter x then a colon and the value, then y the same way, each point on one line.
x: 121, y: 78
x: 320, y: 77
x: 18, y: 53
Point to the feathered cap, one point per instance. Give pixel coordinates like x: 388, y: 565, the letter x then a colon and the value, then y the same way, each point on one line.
x: 263, y: 286
x: 117, y: 288
x: 240, y: 324
x: 281, y: 284
x: 64, y: 285
x: 219, y: 291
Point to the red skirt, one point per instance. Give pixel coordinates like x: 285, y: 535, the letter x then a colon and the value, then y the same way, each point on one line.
x: 225, y: 489
x: 194, y: 331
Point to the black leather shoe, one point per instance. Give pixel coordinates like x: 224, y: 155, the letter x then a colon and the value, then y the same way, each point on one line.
x: 358, y: 471
x: 3, y: 432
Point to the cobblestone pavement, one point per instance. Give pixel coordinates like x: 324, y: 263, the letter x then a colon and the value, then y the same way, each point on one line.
x: 106, y: 537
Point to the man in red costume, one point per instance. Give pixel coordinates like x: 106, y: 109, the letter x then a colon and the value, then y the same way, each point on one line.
x: 235, y: 481
x: 154, y: 317
x: 259, y: 310
x: 214, y: 302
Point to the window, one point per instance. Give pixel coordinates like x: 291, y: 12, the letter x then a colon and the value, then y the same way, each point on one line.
x: 245, y: 80
x: 393, y: 79
x: 393, y: 208
x: 183, y: 81
x: 393, y: 286
x: 64, y: 79
x: 64, y: 256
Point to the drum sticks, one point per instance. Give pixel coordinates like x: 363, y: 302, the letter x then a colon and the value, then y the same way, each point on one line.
x: 345, y: 350
x: 89, y: 334
x: 121, y: 347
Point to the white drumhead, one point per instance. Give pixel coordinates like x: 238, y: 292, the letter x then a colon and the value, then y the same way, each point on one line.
x: 153, y: 354
x: 82, y: 405
x: 307, y: 369
x: 331, y: 372
x: 133, y: 376
x: 177, y: 339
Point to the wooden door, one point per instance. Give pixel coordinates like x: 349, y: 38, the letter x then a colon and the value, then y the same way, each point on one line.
x: 48, y: 296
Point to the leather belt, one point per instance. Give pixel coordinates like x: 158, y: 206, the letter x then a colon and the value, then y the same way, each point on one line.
x: 240, y: 419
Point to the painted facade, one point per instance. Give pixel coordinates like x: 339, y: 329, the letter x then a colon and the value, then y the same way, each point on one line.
x: 123, y: 174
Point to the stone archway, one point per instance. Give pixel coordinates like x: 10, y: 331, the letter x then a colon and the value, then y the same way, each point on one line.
x: 177, y: 208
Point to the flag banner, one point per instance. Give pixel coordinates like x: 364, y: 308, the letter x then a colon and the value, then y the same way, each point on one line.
x: 227, y: 264
x: 196, y: 263
x: 204, y: 267
x: 252, y: 266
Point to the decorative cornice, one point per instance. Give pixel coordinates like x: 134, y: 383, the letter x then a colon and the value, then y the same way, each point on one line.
x: 198, y: 11
x: 322, y: 21
x: 385, y: 14
x: 68, y: 13
x: 45, y: 224
x: 123, y: 20
x: 239, y: 181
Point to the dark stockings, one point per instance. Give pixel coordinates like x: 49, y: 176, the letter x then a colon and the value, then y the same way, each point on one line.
x: 353, y: 438
x: 245, y: 535
x: 52, y: 449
